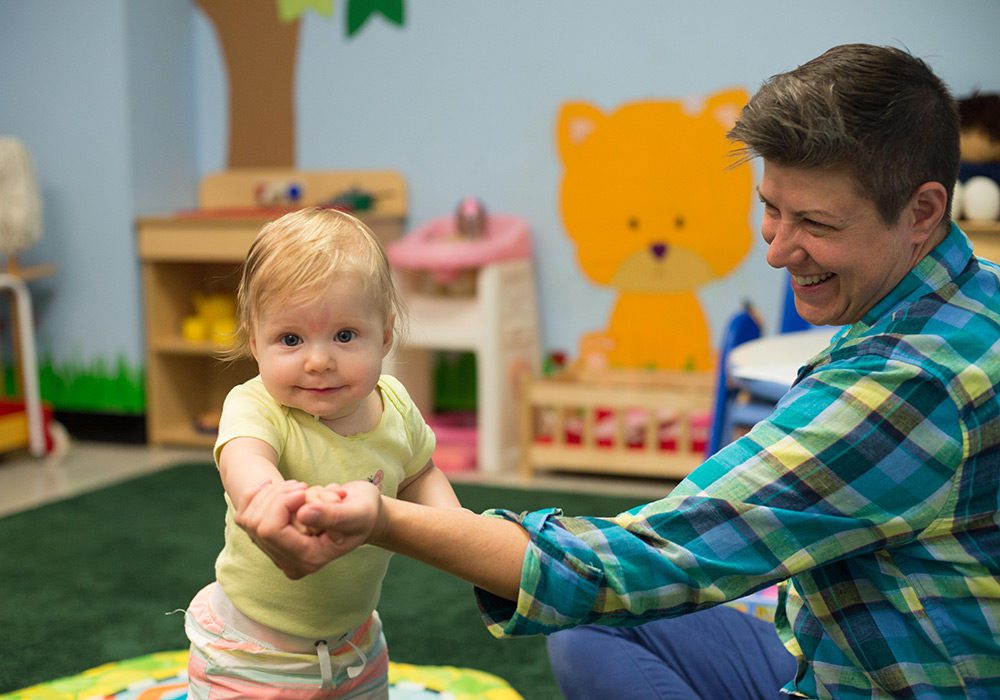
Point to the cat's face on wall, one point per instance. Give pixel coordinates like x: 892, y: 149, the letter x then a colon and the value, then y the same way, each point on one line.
x: 649, y: 194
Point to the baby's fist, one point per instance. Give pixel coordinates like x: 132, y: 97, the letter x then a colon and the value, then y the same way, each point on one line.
x: 317, y: 494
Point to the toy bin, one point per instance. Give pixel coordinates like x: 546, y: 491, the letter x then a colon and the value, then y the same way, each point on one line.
x: 456, y: 440
x: 15, y: 428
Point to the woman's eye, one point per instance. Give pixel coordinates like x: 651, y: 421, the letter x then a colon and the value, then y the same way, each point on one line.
x: 345, y: 336
x: 290, y: 340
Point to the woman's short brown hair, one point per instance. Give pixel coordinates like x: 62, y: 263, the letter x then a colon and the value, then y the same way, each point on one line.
x: 876, y: 111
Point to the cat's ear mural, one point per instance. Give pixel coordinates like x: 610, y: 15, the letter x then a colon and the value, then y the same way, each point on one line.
x: 656, y: 209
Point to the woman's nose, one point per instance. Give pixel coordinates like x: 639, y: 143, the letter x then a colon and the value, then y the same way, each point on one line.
x: 783, y: 247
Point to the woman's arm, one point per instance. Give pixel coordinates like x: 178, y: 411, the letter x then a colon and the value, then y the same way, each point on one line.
x: 760, y: 511
x: 487, y: 552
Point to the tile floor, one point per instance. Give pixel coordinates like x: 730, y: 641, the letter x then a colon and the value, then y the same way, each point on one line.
x: 26, y: 482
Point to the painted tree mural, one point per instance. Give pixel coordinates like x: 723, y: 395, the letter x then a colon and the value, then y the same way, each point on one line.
x: 259, y: 41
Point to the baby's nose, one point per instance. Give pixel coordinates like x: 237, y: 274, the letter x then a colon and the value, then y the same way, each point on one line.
x: 319, y: 359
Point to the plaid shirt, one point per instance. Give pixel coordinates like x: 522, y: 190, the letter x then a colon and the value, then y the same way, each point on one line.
x: 872, y: 492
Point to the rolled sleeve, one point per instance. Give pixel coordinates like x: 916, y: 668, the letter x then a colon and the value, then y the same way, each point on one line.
x: 560, y: 580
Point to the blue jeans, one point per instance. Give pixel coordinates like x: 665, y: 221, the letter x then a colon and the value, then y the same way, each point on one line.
x: 719, y: 653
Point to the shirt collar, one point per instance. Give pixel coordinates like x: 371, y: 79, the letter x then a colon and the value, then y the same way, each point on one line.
x: 936, y: 269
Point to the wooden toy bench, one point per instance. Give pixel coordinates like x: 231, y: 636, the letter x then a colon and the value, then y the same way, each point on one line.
x: 636, y: 423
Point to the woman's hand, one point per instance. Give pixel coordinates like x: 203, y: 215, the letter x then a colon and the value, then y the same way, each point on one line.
x: 269, y: 518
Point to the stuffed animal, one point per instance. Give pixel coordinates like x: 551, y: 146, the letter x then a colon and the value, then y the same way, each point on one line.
x: 656, y: 209
x: 980, y: 135
x: 20, y: 202
x: 978, y: 190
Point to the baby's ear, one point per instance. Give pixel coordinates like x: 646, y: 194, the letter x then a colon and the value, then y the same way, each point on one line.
x: 388, y: 334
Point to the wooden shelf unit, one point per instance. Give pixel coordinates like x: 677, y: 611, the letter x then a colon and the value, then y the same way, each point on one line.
x: 985, y: 237
x: 181, y: 255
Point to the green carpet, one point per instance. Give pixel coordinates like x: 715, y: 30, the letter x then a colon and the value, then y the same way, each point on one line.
x: 87, y: 581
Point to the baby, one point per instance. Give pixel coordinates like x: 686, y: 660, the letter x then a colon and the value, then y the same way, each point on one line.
x: 318, y: 311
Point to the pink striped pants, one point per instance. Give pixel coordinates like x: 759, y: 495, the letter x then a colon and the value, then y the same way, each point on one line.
x: 234, y: 657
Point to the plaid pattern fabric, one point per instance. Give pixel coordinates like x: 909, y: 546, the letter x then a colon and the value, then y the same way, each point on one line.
x: 871, y: 492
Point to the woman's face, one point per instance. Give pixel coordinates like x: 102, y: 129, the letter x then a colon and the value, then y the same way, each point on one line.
x: 842, y: 256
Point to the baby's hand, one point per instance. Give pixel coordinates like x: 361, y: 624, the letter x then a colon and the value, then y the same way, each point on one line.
x: 270, y: 519
x: 317, y: 495
x: 352, y: 516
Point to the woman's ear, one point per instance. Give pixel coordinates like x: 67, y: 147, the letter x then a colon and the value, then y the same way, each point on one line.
x: 927, y: 210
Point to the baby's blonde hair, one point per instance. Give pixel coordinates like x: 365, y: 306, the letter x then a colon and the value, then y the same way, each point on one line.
x: 293, y: 258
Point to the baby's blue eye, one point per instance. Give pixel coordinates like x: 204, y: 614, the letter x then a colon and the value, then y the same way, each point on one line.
x: 290, y: 340
x: 345, y: 336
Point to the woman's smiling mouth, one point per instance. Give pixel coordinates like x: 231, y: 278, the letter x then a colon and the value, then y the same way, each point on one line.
x: 809, y: 280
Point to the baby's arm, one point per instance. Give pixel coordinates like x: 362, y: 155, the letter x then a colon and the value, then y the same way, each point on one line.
x: 266, y: 505
x: 430, y: 487
x: 245, y: 465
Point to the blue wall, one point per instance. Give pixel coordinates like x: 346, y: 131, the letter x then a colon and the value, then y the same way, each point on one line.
x: 102, y: 94
x: 122, y: 103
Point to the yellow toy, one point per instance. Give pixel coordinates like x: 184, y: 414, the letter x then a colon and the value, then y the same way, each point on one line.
x: 656, y: 209
x: 214, y: 319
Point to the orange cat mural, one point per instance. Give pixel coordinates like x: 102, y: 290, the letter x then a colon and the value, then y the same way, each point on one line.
x: 656, y: 210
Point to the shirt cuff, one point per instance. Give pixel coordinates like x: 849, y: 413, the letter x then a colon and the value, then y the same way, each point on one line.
x: 558, y: 588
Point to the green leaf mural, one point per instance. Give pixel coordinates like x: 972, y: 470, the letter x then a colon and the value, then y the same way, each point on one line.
x: 97, y: 386
x: 359, y: 11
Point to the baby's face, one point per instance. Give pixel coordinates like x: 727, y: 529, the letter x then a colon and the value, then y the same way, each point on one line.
x: 324, y: 356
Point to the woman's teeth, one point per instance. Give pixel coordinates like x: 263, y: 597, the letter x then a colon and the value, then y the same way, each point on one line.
x: 811, y: 279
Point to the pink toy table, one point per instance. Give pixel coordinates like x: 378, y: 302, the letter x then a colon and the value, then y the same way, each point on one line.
x: 437, y: 248
x: 497, y: 319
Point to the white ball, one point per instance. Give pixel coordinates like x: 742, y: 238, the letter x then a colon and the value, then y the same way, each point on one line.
x: 982, y: 199
x: 958, y: 201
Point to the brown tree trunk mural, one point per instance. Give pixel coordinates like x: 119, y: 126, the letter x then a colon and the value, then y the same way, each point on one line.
x: 260, y: 53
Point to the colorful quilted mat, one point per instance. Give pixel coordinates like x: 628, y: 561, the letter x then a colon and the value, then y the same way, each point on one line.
x: 162, y: 676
